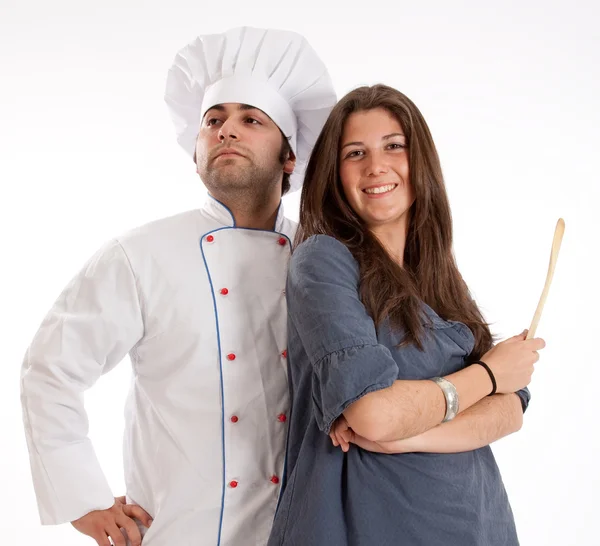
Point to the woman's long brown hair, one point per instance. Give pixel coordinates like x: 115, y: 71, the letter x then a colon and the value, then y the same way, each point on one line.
x: 429, y: 273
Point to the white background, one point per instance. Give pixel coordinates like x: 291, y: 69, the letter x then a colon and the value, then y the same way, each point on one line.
x: 510, y: 91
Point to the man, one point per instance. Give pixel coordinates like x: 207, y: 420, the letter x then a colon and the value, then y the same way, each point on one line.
x: 197, y: 300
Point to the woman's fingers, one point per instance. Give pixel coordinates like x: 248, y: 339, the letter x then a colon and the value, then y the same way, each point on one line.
x: 339, y: 433
x: 342, y: 437
x: 333, y: 432
x: 341, y: 442
x: 341, y: 424
x: 518, y: 337
x: 536, y: 343
x: 348, y: 436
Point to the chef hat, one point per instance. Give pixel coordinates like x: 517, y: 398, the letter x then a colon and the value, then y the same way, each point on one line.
x: 276, y: 71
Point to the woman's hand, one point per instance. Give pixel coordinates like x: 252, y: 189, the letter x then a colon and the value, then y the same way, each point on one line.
x: 512, y: 362
x: 342, y: 435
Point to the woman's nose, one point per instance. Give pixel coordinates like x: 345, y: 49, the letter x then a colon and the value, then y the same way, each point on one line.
x: 376, y: 164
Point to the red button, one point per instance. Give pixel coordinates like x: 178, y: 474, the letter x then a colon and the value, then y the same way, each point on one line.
x: 234, y: 419
x: 233, y: 484
x: 210, y: 238
x: 231, y: 356
x: 282, y: 418
x: 284, y: 353
x: 282, y: 241
x: 224, y: 291
x: 275, y: 479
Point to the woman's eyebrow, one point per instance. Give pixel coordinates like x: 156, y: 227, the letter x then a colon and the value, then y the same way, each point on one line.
x: 386, y: 137
x: 351, y: 144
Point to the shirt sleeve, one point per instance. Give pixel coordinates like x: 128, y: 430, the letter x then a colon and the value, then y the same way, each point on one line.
x: 94, y: 323
x: 335, y: 330
x: 525, y: 397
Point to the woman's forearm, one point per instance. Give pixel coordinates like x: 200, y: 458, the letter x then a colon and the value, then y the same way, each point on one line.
x: 409, y: 408
x: 483, y: 423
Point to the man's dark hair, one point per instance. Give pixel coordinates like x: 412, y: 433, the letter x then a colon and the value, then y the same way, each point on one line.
x: 283, y: 155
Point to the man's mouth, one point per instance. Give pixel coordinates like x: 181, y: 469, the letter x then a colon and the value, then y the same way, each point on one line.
x: 228, y: 152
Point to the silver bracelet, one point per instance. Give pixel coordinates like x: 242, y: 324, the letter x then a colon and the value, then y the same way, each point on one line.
x: 451, y: 396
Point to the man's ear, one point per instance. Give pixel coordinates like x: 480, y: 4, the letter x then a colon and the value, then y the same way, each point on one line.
x: 195, y: 156
x: 290, y: 163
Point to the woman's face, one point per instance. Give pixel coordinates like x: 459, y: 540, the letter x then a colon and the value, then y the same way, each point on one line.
x: 374, y: 169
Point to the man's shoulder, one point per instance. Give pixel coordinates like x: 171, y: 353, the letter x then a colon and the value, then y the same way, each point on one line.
x: 175, y: 235
x: 169, y: 225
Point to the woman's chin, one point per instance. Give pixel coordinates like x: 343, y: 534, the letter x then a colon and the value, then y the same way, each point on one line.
x: 384, y: 219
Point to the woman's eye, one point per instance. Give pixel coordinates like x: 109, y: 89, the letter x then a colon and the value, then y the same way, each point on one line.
x: 397, y: 146
x: 252, y: 121
x: 355, y: 153
x: 212, y: 121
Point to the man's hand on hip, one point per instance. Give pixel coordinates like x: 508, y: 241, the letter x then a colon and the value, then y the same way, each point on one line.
x: 101, y: 524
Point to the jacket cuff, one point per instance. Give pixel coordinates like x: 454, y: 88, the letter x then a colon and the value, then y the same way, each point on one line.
x: 69, y: 483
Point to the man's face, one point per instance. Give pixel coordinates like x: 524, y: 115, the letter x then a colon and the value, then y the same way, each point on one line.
x: 238, y: 149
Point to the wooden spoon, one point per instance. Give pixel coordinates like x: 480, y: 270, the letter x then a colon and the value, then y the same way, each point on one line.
x: 558, y: 235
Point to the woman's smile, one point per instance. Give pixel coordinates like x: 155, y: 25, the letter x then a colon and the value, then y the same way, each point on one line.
x: 379, y: 191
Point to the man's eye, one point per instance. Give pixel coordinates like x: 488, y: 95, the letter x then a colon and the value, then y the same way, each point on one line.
x: 212, y: 121
x: 252, y: 121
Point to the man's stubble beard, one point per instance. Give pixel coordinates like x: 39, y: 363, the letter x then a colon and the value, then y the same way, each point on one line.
x: 245, y: 183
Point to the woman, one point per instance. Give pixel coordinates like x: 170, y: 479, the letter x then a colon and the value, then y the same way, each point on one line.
x: 377, y: 309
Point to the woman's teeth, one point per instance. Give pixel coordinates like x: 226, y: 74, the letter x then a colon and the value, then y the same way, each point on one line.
x: 381, y: 189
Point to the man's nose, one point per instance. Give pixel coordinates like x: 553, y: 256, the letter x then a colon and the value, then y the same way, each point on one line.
x: 228, y: 130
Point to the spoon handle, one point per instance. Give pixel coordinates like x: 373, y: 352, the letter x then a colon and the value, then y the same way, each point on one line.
x: 558, y: 235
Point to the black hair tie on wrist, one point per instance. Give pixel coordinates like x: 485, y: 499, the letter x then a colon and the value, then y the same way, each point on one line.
x: 487, y: 368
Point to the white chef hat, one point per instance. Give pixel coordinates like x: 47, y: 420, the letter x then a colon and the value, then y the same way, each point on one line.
x: 276, y: 71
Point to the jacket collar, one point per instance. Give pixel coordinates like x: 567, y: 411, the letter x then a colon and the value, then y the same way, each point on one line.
x: 221, y: 213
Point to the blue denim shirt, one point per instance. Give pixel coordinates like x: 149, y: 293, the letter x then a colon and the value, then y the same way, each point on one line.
x: 336, y: 355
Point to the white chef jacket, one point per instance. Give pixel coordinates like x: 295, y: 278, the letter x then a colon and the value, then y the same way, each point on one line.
x: 199, y: 305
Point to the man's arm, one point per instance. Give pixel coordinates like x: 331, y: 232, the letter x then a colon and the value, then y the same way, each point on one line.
x: 92, y: 326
